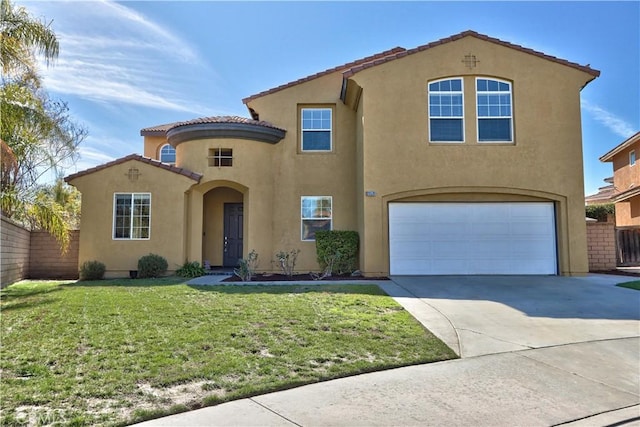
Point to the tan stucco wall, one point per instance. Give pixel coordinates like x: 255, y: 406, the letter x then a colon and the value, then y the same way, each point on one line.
x: 152, y: 146
x: 545, y: 160
x: 295, y: 174
x: 167, y: 216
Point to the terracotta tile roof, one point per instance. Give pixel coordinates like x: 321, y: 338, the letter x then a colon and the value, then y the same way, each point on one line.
x: 604, y: 195
x: 360, y: 67
x: 395, y: 50
x: 192, y: 175
x: 160, y: 130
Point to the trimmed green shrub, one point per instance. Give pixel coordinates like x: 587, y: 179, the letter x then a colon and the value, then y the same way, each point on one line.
x: 191, y: 269
x: 339, y: 247
x: 92, y: 270
x: 152, y: 265
x: 600, y: 212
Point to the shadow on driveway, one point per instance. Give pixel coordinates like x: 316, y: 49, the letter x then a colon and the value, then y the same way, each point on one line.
x: 536, y: 296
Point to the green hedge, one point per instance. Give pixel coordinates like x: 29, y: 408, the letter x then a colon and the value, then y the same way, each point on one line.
x: 600, y: 212
x: 341, y: 244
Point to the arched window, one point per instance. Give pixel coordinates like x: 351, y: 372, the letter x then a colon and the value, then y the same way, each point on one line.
x: 168, y: 154
x: 494, y: 110
x: 446, y: 111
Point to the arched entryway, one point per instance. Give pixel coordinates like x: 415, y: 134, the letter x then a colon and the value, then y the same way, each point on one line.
x: 222, y: 227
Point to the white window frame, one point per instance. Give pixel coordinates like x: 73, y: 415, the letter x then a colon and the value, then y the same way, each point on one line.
x: 131, y: 223
x: 161, y: 153
x: 216, y: 156
x: 479, y: 117
x: 304, y: 218
x: 632, y: 158
x: 303, y: 129
x: 462, y: 118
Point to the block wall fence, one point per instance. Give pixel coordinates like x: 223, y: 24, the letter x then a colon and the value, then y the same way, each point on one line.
x: 28, y: 254
x: 601, y: 245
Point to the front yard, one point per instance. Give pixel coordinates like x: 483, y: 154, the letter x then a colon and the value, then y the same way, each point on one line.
x: 116, y: 352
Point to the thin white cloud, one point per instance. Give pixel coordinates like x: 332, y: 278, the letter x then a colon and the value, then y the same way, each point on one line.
x: 614, y: 123
x: 110, y: 53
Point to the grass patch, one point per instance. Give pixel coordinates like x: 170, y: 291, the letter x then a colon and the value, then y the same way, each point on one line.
x: 631, y: 285
x: 120, y: 351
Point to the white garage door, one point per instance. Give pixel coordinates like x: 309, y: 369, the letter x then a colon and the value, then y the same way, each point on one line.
x: 472, y: 238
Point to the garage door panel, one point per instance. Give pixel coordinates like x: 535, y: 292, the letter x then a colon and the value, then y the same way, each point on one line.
x: 472, y: 238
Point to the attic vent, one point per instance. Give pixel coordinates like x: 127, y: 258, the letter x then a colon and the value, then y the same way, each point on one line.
x: 470, y: 61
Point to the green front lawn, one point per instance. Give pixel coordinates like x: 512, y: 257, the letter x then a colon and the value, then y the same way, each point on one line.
x: 115, y: 352
x: 631, y: 285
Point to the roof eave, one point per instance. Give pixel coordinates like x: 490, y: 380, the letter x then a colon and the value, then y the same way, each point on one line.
x: 608, y: 157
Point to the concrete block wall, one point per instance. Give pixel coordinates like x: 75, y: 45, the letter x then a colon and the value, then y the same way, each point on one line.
x: 601, y: 245
x: 46, y: 261
x: 15, y: 244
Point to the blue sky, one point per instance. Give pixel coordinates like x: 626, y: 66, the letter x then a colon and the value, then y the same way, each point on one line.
x: 128, y: 65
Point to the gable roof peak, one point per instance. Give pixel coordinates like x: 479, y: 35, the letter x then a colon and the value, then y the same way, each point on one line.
x: 156, y: 163
x: 470, y: 33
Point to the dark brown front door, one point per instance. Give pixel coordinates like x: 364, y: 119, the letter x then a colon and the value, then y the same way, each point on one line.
x: 232, y: 250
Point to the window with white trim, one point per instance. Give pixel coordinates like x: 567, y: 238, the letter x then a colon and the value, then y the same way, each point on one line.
x: 316, y: 213
x: 446, y: 111
x: 494, y: 110
x: 316, y: 125
x: 168, y: 154
x: 131, y: 216
x: 632, y: 157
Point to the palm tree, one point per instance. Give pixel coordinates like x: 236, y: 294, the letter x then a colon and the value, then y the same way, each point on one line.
x: 31, y: 127
x: 22, y: 37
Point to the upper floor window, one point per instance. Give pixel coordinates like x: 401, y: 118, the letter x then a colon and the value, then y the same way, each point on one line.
x: 632, y: 158
x: 446, y: 111
x: 168, y: 154
x: 132, y: 216
x: 316, y: 213
x: 219, y: 157
x: 316, y: 129
x: 494, y: 111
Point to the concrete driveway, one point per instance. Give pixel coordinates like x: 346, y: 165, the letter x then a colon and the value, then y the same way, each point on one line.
x: 536, y: 351
x: 478, y: 315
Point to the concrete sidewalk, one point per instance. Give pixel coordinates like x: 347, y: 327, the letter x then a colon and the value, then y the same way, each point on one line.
x: 536, y: 351
x: 541, y: 387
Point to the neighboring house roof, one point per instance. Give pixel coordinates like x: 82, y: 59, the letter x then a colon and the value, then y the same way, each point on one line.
x: 162, y: 130
x: 180, y: 171
x: 621, y: 147
x: 604, y: 195
x: 352, y: 68
x: 626, y: 195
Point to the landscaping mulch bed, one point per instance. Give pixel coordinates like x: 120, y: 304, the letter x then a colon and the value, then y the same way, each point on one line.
x: 300, y: 277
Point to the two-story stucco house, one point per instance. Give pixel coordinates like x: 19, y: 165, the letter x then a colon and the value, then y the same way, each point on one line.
x: 461, y: 156
x: 626, y: 180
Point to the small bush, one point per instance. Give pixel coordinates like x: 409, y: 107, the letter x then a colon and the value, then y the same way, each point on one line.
x: 191, y: 269
x: 287, y: 261
x: 152, y: 265
x: 339, y: 247
x: 92, y: 270
x: 247, y: 266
